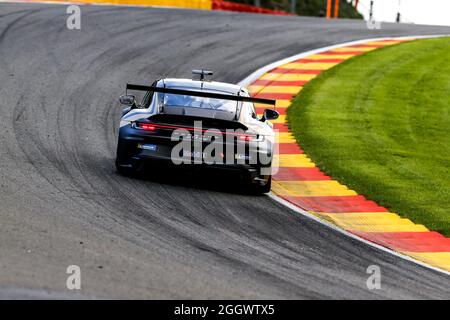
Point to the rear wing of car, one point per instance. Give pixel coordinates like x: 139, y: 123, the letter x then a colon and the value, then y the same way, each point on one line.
x: 138, y: 87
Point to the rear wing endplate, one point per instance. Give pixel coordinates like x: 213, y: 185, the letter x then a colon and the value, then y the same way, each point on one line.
x: 200, y: 94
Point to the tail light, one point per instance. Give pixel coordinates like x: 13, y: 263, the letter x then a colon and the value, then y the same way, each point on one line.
x: 246, y: 137
x: 243, y: 137
x: 146, y: 126
x: 153, y: 126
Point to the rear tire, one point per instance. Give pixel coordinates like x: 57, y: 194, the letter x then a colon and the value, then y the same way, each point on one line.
x: 123, y: 166
x: 125, y: 170
x: 259, y: 189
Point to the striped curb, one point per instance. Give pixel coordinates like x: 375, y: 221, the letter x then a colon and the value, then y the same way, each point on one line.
x: 302, y: 184
x: 180, y: 4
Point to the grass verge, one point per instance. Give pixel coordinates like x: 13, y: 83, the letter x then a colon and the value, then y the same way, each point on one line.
x: 380, y: 124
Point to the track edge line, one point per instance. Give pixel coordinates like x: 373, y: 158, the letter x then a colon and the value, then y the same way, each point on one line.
x: 259, y: 72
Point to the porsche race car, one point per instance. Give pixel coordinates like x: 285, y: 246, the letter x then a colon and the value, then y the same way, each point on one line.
x: 203, y: 123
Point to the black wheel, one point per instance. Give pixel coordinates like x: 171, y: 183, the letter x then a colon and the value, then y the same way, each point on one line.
x: 123, y: 165
x: 265, y: 188
x: 125, y: 170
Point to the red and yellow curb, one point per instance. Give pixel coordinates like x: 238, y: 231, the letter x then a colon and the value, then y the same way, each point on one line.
x: 181, y: 4
x: 301, y: 183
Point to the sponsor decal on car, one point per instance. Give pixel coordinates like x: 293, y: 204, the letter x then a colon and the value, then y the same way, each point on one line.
x: 149, y: 147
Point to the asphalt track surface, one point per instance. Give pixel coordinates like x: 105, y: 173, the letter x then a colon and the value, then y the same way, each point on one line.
x: 62, y: 203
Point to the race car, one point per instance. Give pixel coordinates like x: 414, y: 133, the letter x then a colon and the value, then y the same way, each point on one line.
x: 197, y: 123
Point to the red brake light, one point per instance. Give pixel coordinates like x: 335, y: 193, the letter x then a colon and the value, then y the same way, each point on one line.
x: 246, y: 137
x: 147, y: 126
x: 152, y: 127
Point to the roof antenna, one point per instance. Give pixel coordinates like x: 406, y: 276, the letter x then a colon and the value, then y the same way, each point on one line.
x: 202, y: 73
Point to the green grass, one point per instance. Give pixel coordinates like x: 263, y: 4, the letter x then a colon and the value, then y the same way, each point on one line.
x: 380, y: 124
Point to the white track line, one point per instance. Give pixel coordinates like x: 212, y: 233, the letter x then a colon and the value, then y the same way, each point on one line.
x: 258, y: 73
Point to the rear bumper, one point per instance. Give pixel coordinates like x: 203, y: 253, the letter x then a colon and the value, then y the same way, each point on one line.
x: 137, y: 148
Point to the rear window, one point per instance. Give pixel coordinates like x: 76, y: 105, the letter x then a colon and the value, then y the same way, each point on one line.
x: 178, y: 100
